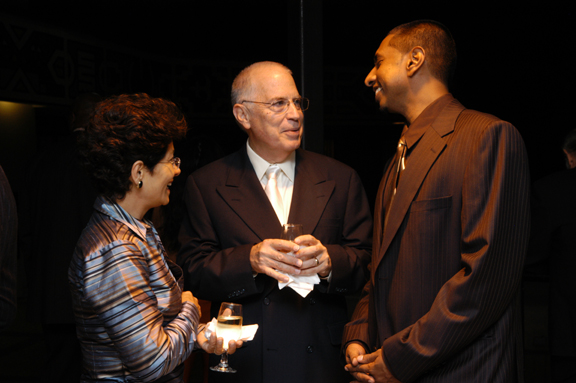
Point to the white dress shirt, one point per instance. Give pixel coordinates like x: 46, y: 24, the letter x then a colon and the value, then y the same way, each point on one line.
x: 285, y: 179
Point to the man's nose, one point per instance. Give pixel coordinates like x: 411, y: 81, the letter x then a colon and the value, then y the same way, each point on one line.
x: 293, y: 109
x: 369, y: 80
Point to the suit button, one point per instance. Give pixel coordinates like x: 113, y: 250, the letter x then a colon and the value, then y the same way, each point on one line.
x: 310, y: 349
x: 312, y: 301
x: 266, y: 301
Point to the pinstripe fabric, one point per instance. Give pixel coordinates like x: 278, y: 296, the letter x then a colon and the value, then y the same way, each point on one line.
x: 443, y: 299
x: 127, y: 299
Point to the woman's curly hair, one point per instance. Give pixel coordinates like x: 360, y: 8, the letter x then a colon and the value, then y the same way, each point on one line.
x: 123, y: 130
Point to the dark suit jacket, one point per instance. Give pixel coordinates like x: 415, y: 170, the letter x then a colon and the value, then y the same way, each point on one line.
x: 8, y: 238
x: 554, y: 239
x: 443, y: 299
x: 228, y: 212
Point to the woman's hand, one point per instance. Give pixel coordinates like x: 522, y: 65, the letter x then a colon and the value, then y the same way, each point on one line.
x: 188, y: 297
x: 213, y: 345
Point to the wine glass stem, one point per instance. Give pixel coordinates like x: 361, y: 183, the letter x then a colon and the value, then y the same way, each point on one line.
x: 224, y: 358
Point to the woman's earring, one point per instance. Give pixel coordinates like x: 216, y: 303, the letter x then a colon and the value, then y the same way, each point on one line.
x: 140, y: 185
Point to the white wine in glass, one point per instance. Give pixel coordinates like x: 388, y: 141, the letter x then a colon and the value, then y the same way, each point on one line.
x: 229, y: 328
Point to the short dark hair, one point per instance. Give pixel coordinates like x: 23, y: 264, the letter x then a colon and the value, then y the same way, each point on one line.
x: 437, y: 42
x: 123, y: 130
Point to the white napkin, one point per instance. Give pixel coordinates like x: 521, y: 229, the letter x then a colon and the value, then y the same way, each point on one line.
x: 302, y: 284
x: 248, y: 331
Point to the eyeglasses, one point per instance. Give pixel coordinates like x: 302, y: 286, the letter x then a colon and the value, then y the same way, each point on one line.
x: 281, y: 105
x: 174, y: 161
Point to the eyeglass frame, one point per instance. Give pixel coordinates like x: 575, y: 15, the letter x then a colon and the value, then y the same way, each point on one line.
x: 269, y: 104
x: 175, y: 161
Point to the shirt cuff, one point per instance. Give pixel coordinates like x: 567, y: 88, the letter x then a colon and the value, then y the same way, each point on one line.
x: 327, y: 278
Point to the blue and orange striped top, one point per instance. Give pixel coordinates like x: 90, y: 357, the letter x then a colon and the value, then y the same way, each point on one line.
x: 127, y: 299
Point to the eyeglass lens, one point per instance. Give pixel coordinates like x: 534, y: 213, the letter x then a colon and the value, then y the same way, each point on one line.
x: 283, y: 105
x: 176, y: 161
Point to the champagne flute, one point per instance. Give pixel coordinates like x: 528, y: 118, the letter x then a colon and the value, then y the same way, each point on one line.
x: 229, y: 327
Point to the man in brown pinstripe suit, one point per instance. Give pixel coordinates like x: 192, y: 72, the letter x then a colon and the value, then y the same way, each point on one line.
x: 450, y: 231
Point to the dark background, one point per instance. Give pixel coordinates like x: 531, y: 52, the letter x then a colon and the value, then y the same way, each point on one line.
x: 515, y: 60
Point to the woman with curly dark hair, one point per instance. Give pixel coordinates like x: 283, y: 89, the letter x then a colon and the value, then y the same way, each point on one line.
x: 133, y: 320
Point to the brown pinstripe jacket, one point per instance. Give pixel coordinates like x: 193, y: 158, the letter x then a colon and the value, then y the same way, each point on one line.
x: 443, y: 298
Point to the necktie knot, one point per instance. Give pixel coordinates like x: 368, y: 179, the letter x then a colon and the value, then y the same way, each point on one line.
x: 272, y: 172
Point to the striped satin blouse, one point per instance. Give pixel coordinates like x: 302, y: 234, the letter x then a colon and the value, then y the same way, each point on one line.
x: 127, y: 301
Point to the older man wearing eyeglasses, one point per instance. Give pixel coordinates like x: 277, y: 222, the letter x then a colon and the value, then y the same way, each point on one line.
x: 231, y: 249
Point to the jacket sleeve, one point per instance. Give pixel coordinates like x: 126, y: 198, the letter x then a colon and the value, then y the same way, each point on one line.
x: 357, y: 329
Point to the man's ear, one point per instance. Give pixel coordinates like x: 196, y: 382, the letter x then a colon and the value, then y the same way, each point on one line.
x: 242, y: 115
x: 416, y: 59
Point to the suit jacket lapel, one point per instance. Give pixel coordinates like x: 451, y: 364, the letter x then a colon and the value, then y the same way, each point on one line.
x: 421, y: 159
x: 243, y: 192
x: 311, y: 193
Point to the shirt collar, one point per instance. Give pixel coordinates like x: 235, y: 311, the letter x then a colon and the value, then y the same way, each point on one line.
x: 413, y: 132
x: 260, y: 165
x: 115, y: 211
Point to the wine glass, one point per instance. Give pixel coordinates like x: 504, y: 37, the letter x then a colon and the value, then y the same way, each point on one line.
x: 290, y: 231
x: 229, y: 327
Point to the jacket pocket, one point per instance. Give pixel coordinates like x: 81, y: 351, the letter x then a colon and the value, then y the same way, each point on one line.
x: 431, y: 204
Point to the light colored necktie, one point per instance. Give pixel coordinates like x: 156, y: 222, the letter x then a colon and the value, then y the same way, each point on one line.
x: 273, y: 193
